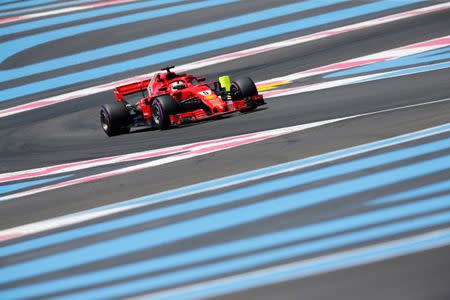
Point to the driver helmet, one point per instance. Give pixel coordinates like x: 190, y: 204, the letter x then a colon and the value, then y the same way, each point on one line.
x: 178, y: 85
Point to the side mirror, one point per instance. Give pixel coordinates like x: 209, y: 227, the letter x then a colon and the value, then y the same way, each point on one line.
x: 201, y: 79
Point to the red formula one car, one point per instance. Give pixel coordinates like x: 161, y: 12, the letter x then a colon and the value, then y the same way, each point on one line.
x: 168, y: 99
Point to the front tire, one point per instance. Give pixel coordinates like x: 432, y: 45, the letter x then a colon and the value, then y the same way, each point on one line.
x: 115, y: 119
x: 162, y: 107
x: 244, y: 88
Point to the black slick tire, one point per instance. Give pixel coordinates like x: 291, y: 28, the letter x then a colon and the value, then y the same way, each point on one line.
x: 244, y: 88
x: 162, y: 107
x: 115, y: 119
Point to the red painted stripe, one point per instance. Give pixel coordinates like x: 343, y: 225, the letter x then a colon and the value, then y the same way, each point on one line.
x: 348, y: 64
x: 219, y: 59
x: 436, y: 42
x: 62, y: 11
x: 5, y: 237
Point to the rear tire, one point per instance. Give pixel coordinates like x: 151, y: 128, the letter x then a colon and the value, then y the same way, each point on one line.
x: 115, y: 119
x: 162, y: 107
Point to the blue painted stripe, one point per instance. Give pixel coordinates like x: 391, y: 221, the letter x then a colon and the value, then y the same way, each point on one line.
x: 8, y: 2
x: 269, y: 171
x: 18, y: 186
x: 409, y: 60
x: 15, y: 46
x: 413, y: 193
x: 24, y: 4
x: 228, y: 249
x: 409, y: 71
x: 78, y: 16
x: 228, y: 197
x: 308, y: 268
x: 198, y: 48
x: 217, y: 221
x: 151, y: 41
x: 257, y: 260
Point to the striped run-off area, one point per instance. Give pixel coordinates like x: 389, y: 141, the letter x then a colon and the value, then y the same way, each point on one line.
x: 337, y: 188
x: 319, y: 186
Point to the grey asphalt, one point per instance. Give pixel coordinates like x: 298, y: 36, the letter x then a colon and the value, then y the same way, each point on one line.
x: 70, y: 132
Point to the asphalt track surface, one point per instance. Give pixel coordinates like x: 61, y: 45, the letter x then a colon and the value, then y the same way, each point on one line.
x: 252, y: 212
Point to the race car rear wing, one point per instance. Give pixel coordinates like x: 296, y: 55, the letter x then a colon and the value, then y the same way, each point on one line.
x: 131, y: 90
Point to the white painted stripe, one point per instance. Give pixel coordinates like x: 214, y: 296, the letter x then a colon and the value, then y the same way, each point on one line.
x: 175, y: 150
x: 339, y: 83
x: 193, y: 152
x: 315, y: 266
x: 75, y: 218
x: 315, y: 87
x: 45, y: 7
x: 367, y: 59
x: 102, y: 161
x: 225, y: 58
x: 62, y: 11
